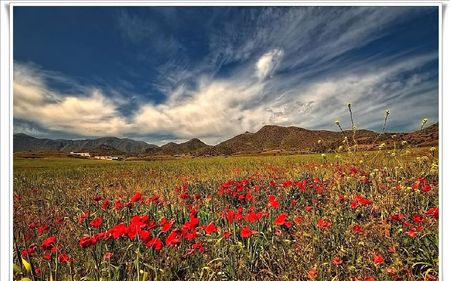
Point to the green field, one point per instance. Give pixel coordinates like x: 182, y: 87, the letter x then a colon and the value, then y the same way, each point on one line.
x: 334, y: 220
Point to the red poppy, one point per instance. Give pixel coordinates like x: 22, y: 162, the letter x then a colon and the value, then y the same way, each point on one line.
x: 137, y: 197
x: 42, y: 228
x: 118, y: 230
x: 226, y: 234
x: 246, y: 232
x: 411, y: 232
x: 96, y: 223
x: 281, y: 219
x: 323, y: 223
x: 155, y: 243
x: 166, y: 224
x: 298, y: 220
x: 87, y: 241
x: 118, y: 205
x: 172, y: 239
x: 418, y: 219
x: 356, y: 228
x: 378, y: 259
x: 273, y: 202
x: 337, y: 261
x: 107, y: 256
x: 433, y: 212
x: 48, y: 243
x: 105, y: 204
x: 210, y: 228
x: 63, y: 258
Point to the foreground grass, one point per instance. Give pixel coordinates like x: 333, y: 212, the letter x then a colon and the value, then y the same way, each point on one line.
x: 346, y: 216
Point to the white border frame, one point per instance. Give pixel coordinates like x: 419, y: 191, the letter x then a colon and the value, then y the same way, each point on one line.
x: 6, y: 100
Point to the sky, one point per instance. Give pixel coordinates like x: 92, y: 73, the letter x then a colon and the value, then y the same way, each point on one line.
x: 163, y: 74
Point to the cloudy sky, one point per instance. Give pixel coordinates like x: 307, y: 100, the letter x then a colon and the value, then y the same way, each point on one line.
x: 164, y: 74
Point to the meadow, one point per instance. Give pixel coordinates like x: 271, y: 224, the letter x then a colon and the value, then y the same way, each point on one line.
x: 341, y: 216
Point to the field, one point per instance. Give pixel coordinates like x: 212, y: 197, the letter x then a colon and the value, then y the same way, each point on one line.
x: 344, y: 216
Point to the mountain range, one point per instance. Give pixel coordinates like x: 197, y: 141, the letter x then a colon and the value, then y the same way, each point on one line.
x: 269, y: 139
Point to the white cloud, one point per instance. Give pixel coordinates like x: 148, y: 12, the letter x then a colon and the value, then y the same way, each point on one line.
x: 267, y: 63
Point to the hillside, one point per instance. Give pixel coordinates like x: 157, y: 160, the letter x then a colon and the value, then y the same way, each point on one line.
x: 268, y: 139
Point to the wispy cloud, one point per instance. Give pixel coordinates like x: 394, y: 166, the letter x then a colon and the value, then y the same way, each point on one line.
x: 297, y: 66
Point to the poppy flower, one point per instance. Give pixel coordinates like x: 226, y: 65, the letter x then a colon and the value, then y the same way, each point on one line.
x: 246, y: 232
x: 281, y: 219
x: 63, y: 258
x: 155, y: 243
x: 96, y: 223
x: 118, y: 205
x: 105, y: 205
x: 210, y: 228
x: 137, y: 196
x: 378, y: 259
x: 166, y: 224
x: 433, y: 212
x: 48, y: 243
x: 226, y: 234
x: 418, y: 219
x: 323, y: 223
x: 411, y: 232
x: 356, y: 228
x: 337, y: 261
x: 107, y: 256
x: 298, y: 220
x: 273, y: 202
x: 42, y: 228
x: 87, y: 241
x: 172, y: 239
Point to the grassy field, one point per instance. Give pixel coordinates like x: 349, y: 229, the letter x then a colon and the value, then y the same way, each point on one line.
x: 345, y: 216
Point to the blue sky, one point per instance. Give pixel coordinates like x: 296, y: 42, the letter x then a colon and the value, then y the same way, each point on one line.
x: 164, y: 74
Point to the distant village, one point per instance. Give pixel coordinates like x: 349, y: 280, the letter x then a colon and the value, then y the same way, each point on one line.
x: 96, y: 157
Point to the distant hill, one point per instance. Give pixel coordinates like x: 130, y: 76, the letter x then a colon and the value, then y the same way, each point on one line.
x: 113, y: 145
x: 268, y: 139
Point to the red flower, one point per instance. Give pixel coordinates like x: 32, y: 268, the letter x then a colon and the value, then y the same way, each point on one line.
x: 247, y: 232
x: 63, y: 258
x: 378, y: 259
x: 166, y: 224
x: 48, y: 243
x: 281, y: 219
x: 210, y: 228
x: 418, y: 219
x: 137, y: 196
x: 172, y: 239
x: 118, y: 205
x: 155, y: 243
x: 42, y: 228
x: 105, y: 204
x: 87, y: 241
x: 107, y: 256
x: 273, y: 202
x: 118, y: 230
x: 433, y: 212
x: 96, y: 223
x: 411, y: 232
x: 308, y: 208
x: 357, y: 228
x: 298, y: 220
x: 323, y: 223
x: 226, y: 234
x: 337, y: 261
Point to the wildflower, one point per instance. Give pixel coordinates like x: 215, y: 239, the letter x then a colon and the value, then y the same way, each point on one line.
x: 118, y: 205
x: 227, y: 234
x: 155, y: 243
x: 172, y: 239
x: 357, y: 229
x: 337, y: 261
x: 273, y: 202
x: 137, y: 197
x: 166, y: 224
x: 247, y: 232
x: 281, y: 219
x: 210, y: 228
x: 63, y: 258
x: 298, y: 220
x: 378, y: 259
x: 87, y: 241
x: 433, y: 212
x: 323, y: 224
x: 107, y: 256
x: 96, y: 223
x: 42, y: 228
x: 105, y: 205
x: 48, y: 243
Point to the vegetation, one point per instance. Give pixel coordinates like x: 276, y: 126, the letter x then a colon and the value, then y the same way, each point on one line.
x: 343, y: 216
